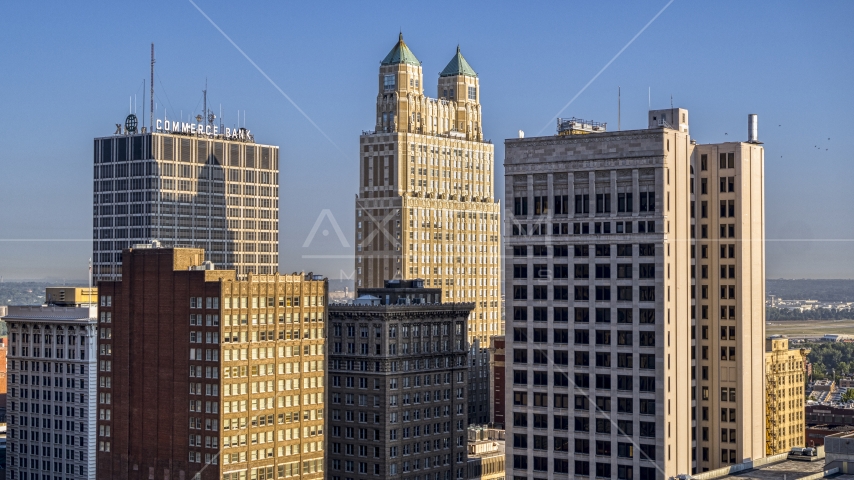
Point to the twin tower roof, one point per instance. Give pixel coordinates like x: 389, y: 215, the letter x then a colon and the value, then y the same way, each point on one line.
x: 401, y: 54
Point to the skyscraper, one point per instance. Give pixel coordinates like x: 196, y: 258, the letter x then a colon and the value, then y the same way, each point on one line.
x: 186, y: 184
x: 616, y: 255
x: 426, y: 206
x: 202, y: 375
x: 398, y: 368
x: 729, y: 289
x: 52, y: 386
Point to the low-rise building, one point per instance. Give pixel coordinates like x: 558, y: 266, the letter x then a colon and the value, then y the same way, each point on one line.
x: 839, y: 452
x: 485, y: 453
x: 52, y: 360
x: 815, y: 434
x: 818, y: 414
x: 784, y: 395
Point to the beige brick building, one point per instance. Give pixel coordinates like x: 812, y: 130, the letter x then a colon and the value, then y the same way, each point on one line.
x: 729, y: 298
x: 634, y: 305
x: 426, y: 206
x: 784, y: 396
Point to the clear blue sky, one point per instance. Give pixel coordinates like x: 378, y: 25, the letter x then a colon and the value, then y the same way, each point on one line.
x: 68, y: 70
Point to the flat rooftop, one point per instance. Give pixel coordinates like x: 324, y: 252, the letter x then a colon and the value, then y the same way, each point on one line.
x: 792, y: 469
x: 788, y: 469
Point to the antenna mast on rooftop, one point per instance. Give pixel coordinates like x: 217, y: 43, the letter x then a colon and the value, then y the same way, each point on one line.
x: 151, y: 119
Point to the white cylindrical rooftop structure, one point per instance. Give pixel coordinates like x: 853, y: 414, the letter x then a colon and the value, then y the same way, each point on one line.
x: 752, y: 128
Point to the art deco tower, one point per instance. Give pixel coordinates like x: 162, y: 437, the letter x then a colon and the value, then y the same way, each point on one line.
x: 426, y: 206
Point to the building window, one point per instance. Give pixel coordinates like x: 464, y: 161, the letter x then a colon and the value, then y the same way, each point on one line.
x: 389, y: 82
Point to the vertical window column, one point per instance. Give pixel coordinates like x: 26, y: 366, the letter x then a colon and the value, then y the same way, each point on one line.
x: 635, y: 193
x: 613, y: 193
x: 591, y: 179
x: 550, y: 196
x: 530, y: 196
x: 570, y: 184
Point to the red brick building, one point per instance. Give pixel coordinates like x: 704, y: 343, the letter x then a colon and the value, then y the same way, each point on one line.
x: 497, y: 357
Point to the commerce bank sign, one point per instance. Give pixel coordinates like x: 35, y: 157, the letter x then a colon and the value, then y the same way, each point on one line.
x: 174, y: 126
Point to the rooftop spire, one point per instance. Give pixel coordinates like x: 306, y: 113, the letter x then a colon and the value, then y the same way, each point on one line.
x: 400, y: 54
x: 458, y: 66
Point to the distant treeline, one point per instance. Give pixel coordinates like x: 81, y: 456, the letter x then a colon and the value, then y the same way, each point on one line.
x: 772, y: 314
x: 822, y: 290
x: 831, y: 357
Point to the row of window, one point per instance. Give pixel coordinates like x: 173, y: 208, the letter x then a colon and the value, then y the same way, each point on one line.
x: 46, y: 437
x: 417, y: 347
x: 68, y: 425
x: 58, y: 410
x: 582, y: 315
x: 600, y: 270
x: 581, y: 228
x: 57, y: 396
x: 44, y: 466
x: 727, y: 160
x: 582, y: 380
x: 601, y: 469
x: 562, y: 205
x: 46, y: 339
x: 582, y: 359
x: 582, y: 337
x: 582, y: 445
x: 268, y: 302
x: 727, y: 353
x: 600, y: 250
x: 38, y: 352
x: 581, y: 293
x: 581, y: 424
x: 407, y: 382
x: 417, y: 330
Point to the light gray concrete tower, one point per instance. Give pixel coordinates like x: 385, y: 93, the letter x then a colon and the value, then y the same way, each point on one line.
x: 618, y: 346
x: 52, y: 372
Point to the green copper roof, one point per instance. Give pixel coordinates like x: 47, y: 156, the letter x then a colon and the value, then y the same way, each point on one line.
x: 458, y: 66
x: 400, y: 54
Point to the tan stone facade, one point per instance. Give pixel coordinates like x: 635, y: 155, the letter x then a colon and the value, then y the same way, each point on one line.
x: 784, y: 396
x: 273, y: 377
x: 729, y: 287
x: 426, y: 206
